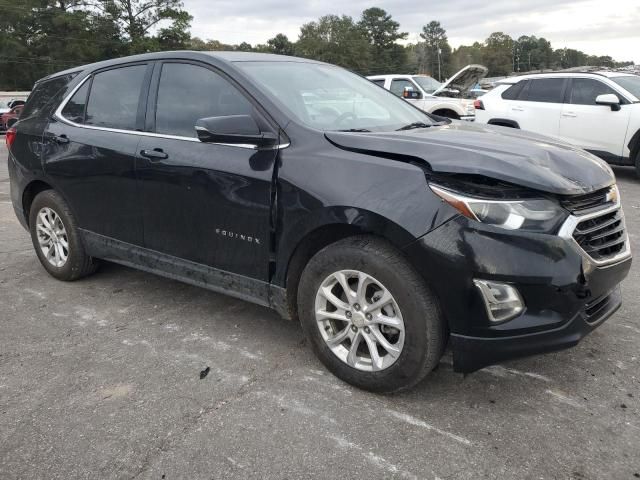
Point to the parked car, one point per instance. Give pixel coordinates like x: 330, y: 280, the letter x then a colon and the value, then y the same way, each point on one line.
x: 300, y: 186
x: 597, y: 111
x: 452, y: 99
x: 9, y: 118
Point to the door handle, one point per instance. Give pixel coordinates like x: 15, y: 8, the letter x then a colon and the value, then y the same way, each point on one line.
x: 155, y: 154
x: 517, y: 109
x: 569, y: 114
x: 61, y: 139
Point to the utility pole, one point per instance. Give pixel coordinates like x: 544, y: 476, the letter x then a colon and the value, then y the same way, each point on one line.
x: 439, y: 52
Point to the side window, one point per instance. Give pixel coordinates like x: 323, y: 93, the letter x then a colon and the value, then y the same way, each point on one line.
x: 513, y: 91
x: 43, y: 93
x: 547, y: 90
x: 74, y: 109
x: 585, y: 90
x: 188, y: 92
x: 398, y: 85
x: 113, y: 100
x: 379, y: 82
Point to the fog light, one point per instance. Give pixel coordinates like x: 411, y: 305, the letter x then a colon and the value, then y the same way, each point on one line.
x: 502, y: 301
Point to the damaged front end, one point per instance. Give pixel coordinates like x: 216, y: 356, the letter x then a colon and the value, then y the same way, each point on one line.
x: 510, y: 287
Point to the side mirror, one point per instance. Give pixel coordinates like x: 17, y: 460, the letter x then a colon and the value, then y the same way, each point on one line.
x: 11, y: 122
x: 410, y: 93
x: 234, y: 130
x: 609, y: 99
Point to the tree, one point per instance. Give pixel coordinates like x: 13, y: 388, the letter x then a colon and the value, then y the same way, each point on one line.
x: 336, y: 40
x: 437, y: 50
x: 498, y: 54
x: 136, y: 18
x: 382, y: 33
x: 280, y: 45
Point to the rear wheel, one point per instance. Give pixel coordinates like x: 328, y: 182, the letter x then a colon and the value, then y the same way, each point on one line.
x: 638, y: 163
x: 55, y: 238
x: 369, y: 316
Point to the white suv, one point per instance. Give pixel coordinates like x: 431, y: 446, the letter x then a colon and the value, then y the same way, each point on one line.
x: 597, y: 111
x: 452, y: 99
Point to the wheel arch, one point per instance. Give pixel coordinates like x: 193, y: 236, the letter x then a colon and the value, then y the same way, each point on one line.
x: 504, y: 122
x: 325, y: 230
x: 447, y: 112
x: 634, y: 145
x: 29, y: 193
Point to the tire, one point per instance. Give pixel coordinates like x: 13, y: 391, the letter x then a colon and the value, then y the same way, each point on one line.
x: 424, y: 329
x: 77, y: 263
x: 637, y: 162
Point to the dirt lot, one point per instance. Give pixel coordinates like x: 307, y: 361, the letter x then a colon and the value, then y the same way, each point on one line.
x: 100, y: 379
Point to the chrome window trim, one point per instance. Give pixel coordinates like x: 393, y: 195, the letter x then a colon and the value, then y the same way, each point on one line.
x: 58, y: 116
x: 570, y: 224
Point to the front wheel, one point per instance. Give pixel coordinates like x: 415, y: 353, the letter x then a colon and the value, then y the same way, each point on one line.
x: 369, y: 316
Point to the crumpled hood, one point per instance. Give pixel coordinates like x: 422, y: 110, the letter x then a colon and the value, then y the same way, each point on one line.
x: 522, y: 158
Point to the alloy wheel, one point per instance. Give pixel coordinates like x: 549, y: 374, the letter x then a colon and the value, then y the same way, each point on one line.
x: 52, y: 237
x: 359, y: 320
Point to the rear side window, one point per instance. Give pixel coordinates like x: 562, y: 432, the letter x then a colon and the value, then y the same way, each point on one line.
x: 114, y: 97
x: 188, y: 92
x: 379, y: 82
x: 585, y: 90
x: 398, y: 85
x: 75, y: 107
x: 44, y: 94
x: 513, y: 91
x: 547, y: 90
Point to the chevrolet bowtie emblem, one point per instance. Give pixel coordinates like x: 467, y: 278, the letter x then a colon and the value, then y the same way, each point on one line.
x: 612, y: 195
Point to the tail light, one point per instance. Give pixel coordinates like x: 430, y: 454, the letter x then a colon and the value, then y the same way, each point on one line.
x: 478, y: 105
x: 10, y: 137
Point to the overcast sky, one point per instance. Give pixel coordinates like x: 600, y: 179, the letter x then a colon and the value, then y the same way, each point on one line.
x: 594, y: 26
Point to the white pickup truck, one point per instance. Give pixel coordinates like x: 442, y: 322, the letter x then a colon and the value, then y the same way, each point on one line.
x: 452, y: 99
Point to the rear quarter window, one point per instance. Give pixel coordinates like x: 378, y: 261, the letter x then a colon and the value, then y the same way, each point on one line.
x: 46, y: 94
x: 512, y: 92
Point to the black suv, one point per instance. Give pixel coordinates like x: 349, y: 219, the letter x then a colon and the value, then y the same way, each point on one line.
x: 302, y: 187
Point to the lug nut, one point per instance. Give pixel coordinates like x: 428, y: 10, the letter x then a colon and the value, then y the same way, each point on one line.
x: 354, y: 328
x: 367, y: 330
x: 349, y: 314
x: 356, y: 307
x: 368, y: 316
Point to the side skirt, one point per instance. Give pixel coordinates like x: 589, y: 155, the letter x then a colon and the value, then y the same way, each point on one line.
x: 220, y: 281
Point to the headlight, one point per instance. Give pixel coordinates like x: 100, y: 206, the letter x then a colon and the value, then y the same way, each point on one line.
x: 534, y: 215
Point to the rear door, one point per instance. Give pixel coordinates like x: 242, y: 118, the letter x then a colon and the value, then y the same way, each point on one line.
x: 539, y: 105
x: 596, y: 128
x: 204, y: 202
x: 91, y: 149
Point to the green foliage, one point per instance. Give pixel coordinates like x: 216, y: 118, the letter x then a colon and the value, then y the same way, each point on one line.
x: 382, y: 33
x: 40, y: 37
x: 281, y: 45
x: 436, y: 50
x: 335, y: 40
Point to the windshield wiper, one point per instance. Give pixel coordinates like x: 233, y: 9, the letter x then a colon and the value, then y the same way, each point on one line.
x: 413, y: 125
x: 354, y: 130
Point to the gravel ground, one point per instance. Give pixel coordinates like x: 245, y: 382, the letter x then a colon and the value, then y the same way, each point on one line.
x: 101, y: 379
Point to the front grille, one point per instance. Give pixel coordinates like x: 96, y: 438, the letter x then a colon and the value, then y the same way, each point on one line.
x: 602, y: 237
x: 581, y: 204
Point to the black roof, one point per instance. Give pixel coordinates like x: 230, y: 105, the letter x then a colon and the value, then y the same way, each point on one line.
x: 227, y: 57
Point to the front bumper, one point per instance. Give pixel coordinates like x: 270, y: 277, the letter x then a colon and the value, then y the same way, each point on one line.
x: 566, y: 297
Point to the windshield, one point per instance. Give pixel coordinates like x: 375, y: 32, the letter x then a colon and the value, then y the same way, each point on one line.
x: 631, y: 84
x: 326, y: 97
x: 428, y: 84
